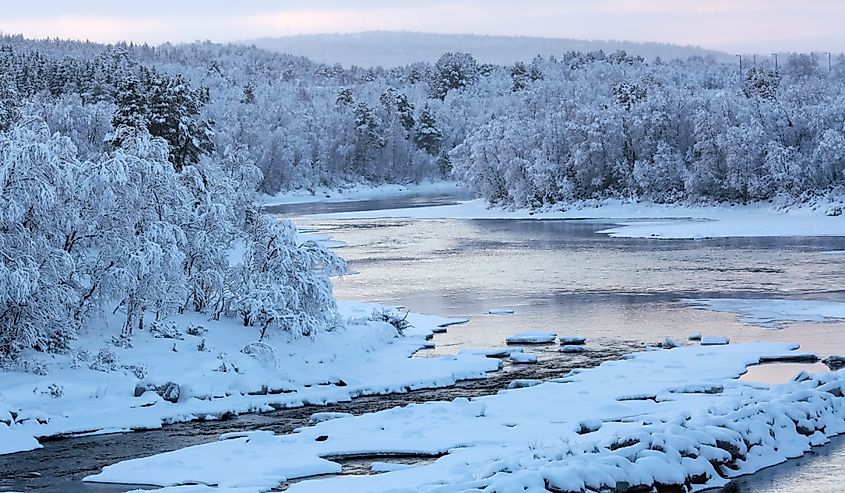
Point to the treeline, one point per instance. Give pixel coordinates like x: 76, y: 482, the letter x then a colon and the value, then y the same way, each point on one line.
x: 595, y: 127
x: 578, y: 126
x: 115, y: 200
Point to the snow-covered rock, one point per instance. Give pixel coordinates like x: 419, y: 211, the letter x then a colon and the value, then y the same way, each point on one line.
x: 531, y: 337
x: 321, y: 417
x: 572, y: 349
x: 714, y: 340
x: 572, y: 340
x: 523, y: 383
x: 523, y: 358
x: 670, y: 343
x: 835, y: 361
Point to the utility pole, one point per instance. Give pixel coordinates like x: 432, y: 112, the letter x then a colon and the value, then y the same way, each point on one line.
x: 829, y: 66
x: 776, y: 61
x: 740, y: 65
x: 755, y: 59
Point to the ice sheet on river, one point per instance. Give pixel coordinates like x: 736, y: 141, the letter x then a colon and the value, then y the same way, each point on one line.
x: 770, y: 313
x: 659, y: 417
x: 649, y: 220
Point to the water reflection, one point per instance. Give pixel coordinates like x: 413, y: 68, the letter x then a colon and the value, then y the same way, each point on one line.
x: 562, y: 276
x: 775, y: 373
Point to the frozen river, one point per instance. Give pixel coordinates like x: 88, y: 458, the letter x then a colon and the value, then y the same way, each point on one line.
x: 561, y: 276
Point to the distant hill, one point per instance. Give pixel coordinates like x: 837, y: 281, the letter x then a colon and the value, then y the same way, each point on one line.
x: 391, y: 49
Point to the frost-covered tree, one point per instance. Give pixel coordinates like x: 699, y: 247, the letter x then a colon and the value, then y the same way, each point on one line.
x: 280, y: 283
x: 426, y: 134
x: 37, y: 285
x: 453, y: 71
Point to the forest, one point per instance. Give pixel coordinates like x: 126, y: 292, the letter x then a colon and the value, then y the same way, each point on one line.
x: 131, y: 175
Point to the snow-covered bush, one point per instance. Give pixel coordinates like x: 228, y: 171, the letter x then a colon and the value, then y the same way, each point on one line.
x: 105, y: 361
x: 165, y: 329
x: 54, y: 390
x: 263, y: 353
x: 226, y: 364
x: 393, y: 317
x: 140, y: 370
x: 196, y: 330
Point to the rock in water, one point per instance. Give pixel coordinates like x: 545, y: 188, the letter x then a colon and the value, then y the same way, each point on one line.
x: 714, y: 341
x: 572, y: 340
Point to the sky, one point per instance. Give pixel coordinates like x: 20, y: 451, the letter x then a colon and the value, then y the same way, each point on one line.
x: 746, y: 26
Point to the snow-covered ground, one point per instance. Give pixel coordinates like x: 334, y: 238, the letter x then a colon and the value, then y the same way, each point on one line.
x: 95, y: 388
x: 649, y: 220
x: 772, y: 313
x: 361, y: 192
x: 662, y: 417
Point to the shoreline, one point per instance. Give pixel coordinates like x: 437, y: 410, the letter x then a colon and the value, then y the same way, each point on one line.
x: 632, y: 219
x: 179, y: 435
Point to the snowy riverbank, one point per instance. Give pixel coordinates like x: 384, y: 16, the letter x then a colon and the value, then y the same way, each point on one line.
x: 689, y: 423
x: 649, y: 220
x: 99, y: 387
x: 355, y: 192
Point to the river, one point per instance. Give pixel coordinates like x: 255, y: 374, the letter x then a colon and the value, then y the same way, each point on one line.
x: 555, y: 275
x: 563, y: 277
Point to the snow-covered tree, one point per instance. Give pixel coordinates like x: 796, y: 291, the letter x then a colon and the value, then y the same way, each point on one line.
x: 453, y: 71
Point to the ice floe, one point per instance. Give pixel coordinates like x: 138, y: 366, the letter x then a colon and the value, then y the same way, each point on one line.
x: 772, y: 313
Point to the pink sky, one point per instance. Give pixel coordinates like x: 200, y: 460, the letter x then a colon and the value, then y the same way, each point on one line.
x: 730, y: 25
